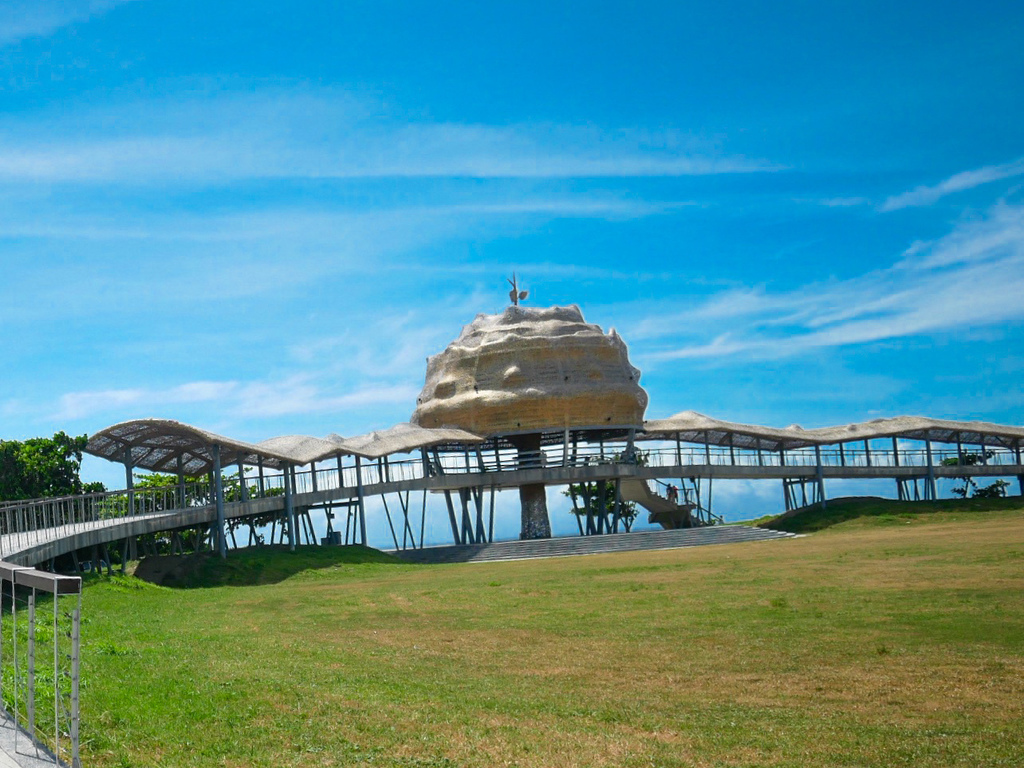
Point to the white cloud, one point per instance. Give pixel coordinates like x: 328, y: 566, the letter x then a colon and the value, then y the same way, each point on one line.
x: 20, y: 19
x: 925, y: 195
x: 844, y: 202
x: 972, y: 277
x: 298, y: 394
x: 327, y: 134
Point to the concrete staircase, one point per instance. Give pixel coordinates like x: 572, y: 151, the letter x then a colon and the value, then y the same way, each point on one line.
x: 591, y: 545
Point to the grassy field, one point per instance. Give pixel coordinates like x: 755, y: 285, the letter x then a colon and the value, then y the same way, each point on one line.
x: 882, y: 641
x: 885, y: 511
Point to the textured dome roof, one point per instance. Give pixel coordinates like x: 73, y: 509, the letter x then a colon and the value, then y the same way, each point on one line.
x: 531, y: 369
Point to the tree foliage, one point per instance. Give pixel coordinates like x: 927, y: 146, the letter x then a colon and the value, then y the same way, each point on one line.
x: 43, y: 467
x: 587, y: 497
x: 970, y: 487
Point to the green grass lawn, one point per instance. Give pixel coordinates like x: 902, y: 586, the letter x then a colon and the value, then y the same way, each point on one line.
x: 874, y: 643
x: 872, y: 510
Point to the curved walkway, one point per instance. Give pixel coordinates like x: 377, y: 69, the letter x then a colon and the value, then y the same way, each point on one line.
x: 46, y: 528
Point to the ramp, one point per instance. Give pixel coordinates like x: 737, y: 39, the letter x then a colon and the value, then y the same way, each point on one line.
x: 667, y: 514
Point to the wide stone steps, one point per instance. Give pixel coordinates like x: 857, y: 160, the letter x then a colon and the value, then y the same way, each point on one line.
x: 591, y: 545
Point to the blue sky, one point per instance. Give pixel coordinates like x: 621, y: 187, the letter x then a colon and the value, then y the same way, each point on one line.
x: 262, y: 217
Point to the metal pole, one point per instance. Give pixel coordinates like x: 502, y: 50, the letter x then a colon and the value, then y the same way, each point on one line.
x: 76, y: 635
x: 56, y: 682
x: 30, y: 695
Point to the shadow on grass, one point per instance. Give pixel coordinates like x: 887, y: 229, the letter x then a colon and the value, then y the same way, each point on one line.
x: 814, y: 518
x: 255, y: 566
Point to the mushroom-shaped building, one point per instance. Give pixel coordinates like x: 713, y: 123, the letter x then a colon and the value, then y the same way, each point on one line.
x: 528, y: 371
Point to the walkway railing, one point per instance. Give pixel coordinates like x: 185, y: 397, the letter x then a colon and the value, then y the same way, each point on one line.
x: 40, y: 632
x: 20, y: 521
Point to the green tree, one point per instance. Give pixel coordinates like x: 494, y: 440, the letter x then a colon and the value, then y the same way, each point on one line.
x: 43, y: 467
x: 586, y: 497
x: 970, y: 487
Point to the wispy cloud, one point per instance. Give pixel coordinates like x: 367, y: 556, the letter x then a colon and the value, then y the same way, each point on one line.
x: 328, y: 134
x: 20, y: 19
x: 926, y: 195
x: 973, y: 277
x: 844, y: 202
x: 298, y: 394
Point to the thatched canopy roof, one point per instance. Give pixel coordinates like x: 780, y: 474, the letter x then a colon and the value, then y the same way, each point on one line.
x: 693, y: 427
x: 156, y: 444
x: 403, y: 438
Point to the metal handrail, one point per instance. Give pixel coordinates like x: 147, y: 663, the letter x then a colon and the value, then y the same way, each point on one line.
x: 19, y: 519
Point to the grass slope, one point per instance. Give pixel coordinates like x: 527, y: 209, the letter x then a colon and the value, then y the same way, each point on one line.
x: 885, y: 511
x: 872, y: 645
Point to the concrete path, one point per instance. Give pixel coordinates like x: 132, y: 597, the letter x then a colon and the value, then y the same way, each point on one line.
x: 591, y: 545
x: 25, y: 755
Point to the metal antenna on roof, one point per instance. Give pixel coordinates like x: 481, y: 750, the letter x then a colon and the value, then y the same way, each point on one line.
x: 515, y: 294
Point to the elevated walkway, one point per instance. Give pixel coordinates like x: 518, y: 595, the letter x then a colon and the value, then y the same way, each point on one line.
x: 591, y: 545
x: 37, y: 530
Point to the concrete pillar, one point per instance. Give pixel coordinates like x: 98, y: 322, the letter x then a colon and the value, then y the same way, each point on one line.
x: 930, y: 486
x: 534, y: 502
x: 362, y: 506
x: 820, y: 476
x: 129, y: 483
x: 181, y: 482
x: 533, y: 498
x: 218, y: 490
x: 289, y: 504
